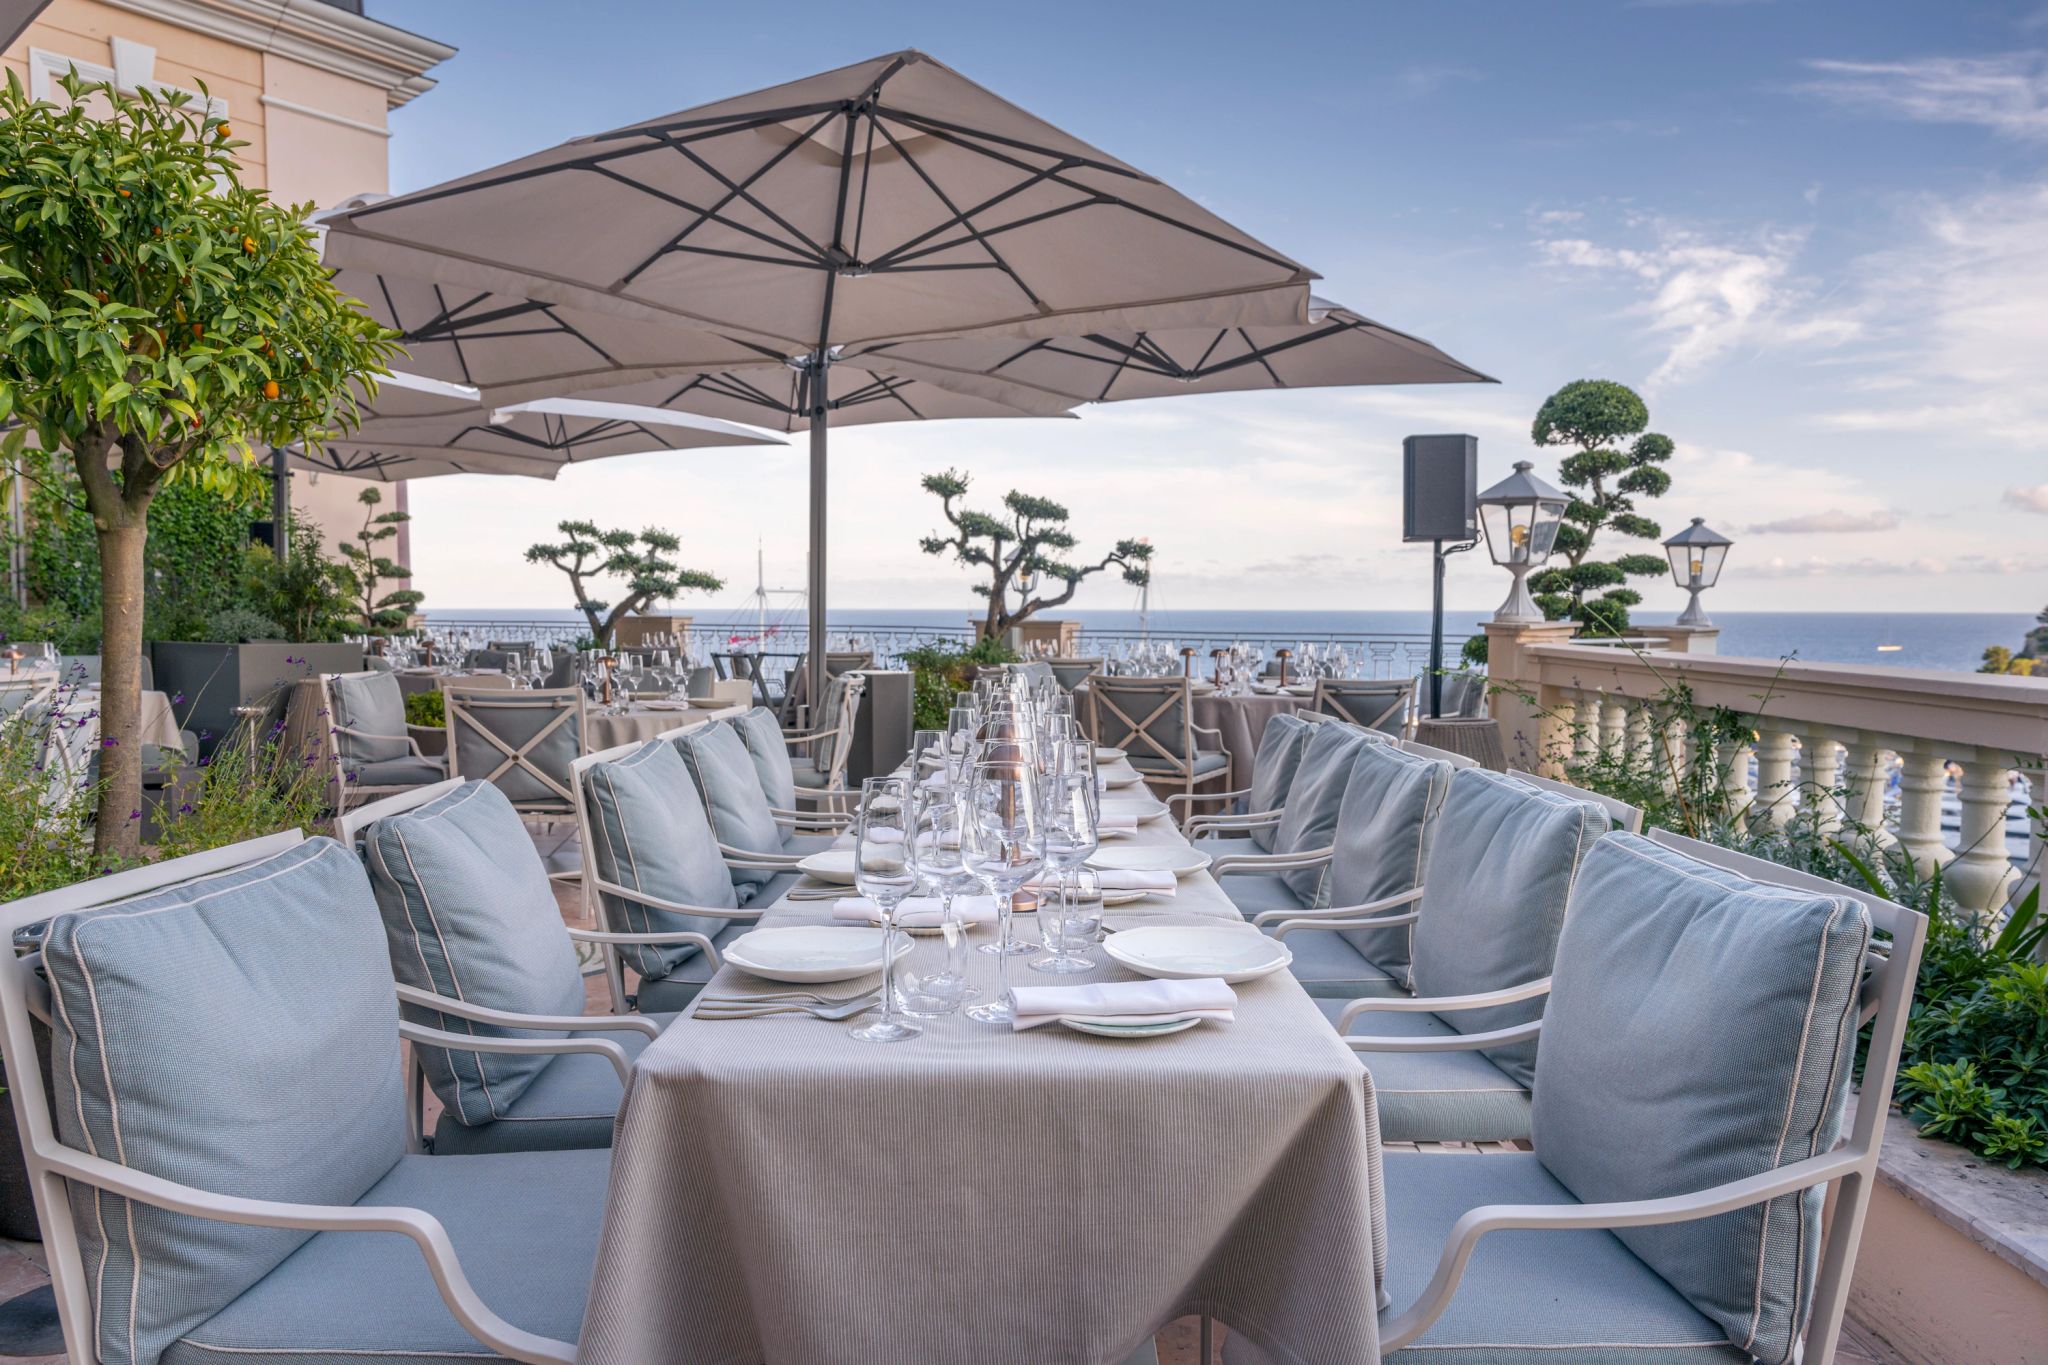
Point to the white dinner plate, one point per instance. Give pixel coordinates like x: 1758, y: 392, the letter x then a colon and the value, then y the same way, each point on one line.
x: 1182, y: 952
x: 1110, y: 1028
x: 803, y: 953
x: 1145, y: 811
x: 1123, y: 897
x: 1115, y: 780
x: 834, y: 865
x: 1105, y: 753
x: 1180, y: 861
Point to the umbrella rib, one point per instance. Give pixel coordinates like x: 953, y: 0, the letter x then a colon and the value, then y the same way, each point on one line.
x: 1214, y: 342
x: 896, y: 252
x: 689, y: 207
x: 965, y: 220
x: 454, y: 341
x: 1040, y: 344
x: 783, y: 262
x: 1260, y: 353
x: 734, y: 191
x: 867, y: 162
x: 573, y: 330
x: 1260, y: 356
x: 997, y: 231
x: 940, y: 127
x: 716, y: 125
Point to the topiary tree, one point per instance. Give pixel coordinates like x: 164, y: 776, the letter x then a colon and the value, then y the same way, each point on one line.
x: 1018, y: 547
x: 644, y: 561
x: 368, y: 569
x: 1594, y: 417
x: 160, y: 319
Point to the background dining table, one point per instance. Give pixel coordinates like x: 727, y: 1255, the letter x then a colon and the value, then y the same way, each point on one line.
x: 781, y: 1191
x: 605, y: 728
x: 1241, y: 719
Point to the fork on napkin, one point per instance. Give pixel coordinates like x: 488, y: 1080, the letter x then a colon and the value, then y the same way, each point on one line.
x: 917, y: 912
x: 1126, y: 1002
x: 1128, y: 879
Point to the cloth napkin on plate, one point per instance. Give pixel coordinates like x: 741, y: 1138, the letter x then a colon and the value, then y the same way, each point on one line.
x: 917, y: 912
x: 1127, y: 1002
x: 1122, y: 879
x: 1116, y: 820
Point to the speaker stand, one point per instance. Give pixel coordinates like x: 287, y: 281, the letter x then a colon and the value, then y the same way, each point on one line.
x: 1438, y: 554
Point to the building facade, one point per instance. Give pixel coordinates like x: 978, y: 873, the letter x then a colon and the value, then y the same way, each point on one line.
x: 310, y: 85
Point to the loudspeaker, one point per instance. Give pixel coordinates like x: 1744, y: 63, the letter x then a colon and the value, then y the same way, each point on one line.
x: 1440, y: 488
x: 263, y: 533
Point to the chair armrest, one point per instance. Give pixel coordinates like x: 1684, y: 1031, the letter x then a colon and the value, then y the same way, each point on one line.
x: 1216, y: 734
x: 410, y: 743
x: 1443, y: 1004
x: 837, y: 819
x: 1399, y: 1330
x: 1286, y: 927
x: 1347, y: 916
x: 1202, y: 824
x: 422, y: 1227
x: 419, y: 1035
x: 1189, y: 798
x: 1270, y: 862
x: 676, y: 907
x: 1452, y: 1042
x: 572, y: 1023
x: 742, y: 858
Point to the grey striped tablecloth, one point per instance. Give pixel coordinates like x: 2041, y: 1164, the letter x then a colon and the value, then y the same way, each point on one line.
x: 783, y: 1193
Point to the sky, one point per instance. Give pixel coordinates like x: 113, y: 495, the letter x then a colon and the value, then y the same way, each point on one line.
x: 1812, y: 233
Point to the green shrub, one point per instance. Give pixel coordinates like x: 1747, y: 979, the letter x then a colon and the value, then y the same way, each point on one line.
x: 938, y: 671
x: 258, y: 781
x: 239, y: 625
x: 426, y: 708
x: 45, y: 832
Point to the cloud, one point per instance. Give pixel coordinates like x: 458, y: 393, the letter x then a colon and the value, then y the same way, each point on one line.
x: 1417, y: 82
x: 2033, y: 499
x: 2007, y: 94
x: 1559, y: 217
x: 1817, y: 566
x: 1834, y: 521
x: 1709, y: 297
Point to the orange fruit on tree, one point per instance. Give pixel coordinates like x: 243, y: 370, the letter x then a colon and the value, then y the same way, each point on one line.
x: 270, y: 389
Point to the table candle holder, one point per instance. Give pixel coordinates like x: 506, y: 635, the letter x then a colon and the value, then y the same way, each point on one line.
x: 1283, y: 656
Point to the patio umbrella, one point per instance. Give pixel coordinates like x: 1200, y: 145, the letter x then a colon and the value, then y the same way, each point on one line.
x: 418, y: 428
x: 891, y: 200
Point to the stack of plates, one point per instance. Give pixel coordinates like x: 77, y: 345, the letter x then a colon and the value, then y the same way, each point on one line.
x: 1183, y: 952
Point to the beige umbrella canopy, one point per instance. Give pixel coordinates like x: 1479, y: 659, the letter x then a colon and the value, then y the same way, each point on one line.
x: 418, y: 428
x: 1335, y: 347
x: 890, y: 200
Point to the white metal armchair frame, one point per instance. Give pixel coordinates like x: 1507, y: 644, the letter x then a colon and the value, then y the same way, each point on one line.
x: 346, y: 791
x: 468, y: 710
x: 1626, y: 818
x: 1140, y: 739
x: 609, y: 942
x: 833, y: 797
x: 1333, y: 697
x: 52, y: 1164
x: 1891, y: 967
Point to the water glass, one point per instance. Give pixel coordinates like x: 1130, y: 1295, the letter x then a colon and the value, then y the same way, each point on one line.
x: 882, y: 873
x: 1069, y: 922
x: 934, y: 979
x: 1004, y: 839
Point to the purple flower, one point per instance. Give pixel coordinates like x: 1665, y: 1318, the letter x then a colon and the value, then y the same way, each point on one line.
x: 134, y: 815
x: 205, y: 761
x: 185, y: 809
x: 175, y: 700
x: 109, y: 743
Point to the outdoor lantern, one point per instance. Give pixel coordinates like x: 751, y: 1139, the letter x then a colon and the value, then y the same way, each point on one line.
x: 1696, y: 553
x: 1520, y: 516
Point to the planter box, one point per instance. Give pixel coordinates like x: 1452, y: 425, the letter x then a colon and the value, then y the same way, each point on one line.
x: 215, y: 679
x: 1953, y: 1266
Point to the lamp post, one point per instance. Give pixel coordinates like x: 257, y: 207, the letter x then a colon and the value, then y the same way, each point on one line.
x: 1520, y: 516
x: 1697, y: 554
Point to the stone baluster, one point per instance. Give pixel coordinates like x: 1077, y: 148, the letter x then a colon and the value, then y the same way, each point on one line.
x: 1820, y: 776
x: 1613, y: 727
x: 1732, y: 756
x: 1775, y: 794
x: 1922, y: 781
x: 1863, y: 782
x: 1586, y: 727
x: 1638, y: 745
x: 1982, y: 871
x: 1672, y: 753
x: 2036, y: 773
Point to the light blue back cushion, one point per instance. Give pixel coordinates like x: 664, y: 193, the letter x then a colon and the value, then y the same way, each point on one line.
x: 469, y: 913
x: 1310, y: 821
x: 1700, y: 1030
x: 1501, y: 868
x: 372, y: 705
x: 733, y: 799
x: 649, y: 832
x: 1273, y: 768
x: 237, y: 1033
x: 762, y: 734
x: 1385, y: 826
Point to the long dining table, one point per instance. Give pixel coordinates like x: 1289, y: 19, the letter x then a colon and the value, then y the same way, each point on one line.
x: 782, y: 1192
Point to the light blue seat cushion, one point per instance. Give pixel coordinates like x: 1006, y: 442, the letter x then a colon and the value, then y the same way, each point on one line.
x: 1501, y: 868
x: 410, y: 771
x: 525, y: 1227
x: 805, y: 774
x: 369, y: 716
x: 469, y: 914
x: 1254, y: 893
x: 1223, y: 845
x: 673, y: 993
x: 1544, y: 1297
x: 1381, y: 844
x: 733, y: 799
x: 1435, y: 1096
x: 1203, y: 763
x: 1309, y: 820
x: 648, y: 832
x: 761, y: 733
x: 1328, y: 967
x: 570, y: 1104
x: 1700, y: 1031
x: 237, y: 1033
x: 1279, y: 754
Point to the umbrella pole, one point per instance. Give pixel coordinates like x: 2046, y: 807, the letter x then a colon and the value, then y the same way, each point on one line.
x: 814, y: 662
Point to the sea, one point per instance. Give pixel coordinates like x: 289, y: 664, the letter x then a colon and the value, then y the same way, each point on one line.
x: 1954, y: 641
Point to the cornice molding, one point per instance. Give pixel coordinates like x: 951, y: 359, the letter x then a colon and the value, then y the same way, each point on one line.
x: 312, y: 32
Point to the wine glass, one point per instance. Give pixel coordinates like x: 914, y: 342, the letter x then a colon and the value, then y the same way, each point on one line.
x: 937, y: 857
x: 1072, y: 834
x: 1004, y: 841
x: 883, y: 875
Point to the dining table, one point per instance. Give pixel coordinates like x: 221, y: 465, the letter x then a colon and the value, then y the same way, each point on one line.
x: 635, y: 722
x: 783, y: 1192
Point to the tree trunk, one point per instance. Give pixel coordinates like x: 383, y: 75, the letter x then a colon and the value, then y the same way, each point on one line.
x: 118, y: 834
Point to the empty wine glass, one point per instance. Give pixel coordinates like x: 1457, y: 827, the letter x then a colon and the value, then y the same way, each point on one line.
x: 1004, y: 840
x: 938, y: 985
x: 883, y: 875
x: 1072, y: 834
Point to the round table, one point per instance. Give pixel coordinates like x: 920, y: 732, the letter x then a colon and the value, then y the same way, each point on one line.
x: 1242, y: 721
x: 637, y: 724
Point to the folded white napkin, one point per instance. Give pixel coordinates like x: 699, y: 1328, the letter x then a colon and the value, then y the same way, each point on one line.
x: 1116, y: 819
x: 917, y: 912
x: 1130, y: 1002
x: 1120, y: 879
x: 885, y: 834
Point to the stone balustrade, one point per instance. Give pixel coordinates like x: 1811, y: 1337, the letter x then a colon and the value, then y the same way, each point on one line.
x: 1823, y: 738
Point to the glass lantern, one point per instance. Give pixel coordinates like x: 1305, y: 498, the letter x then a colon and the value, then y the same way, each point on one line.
x: 1697, y: 554
x: 1520, y: 516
